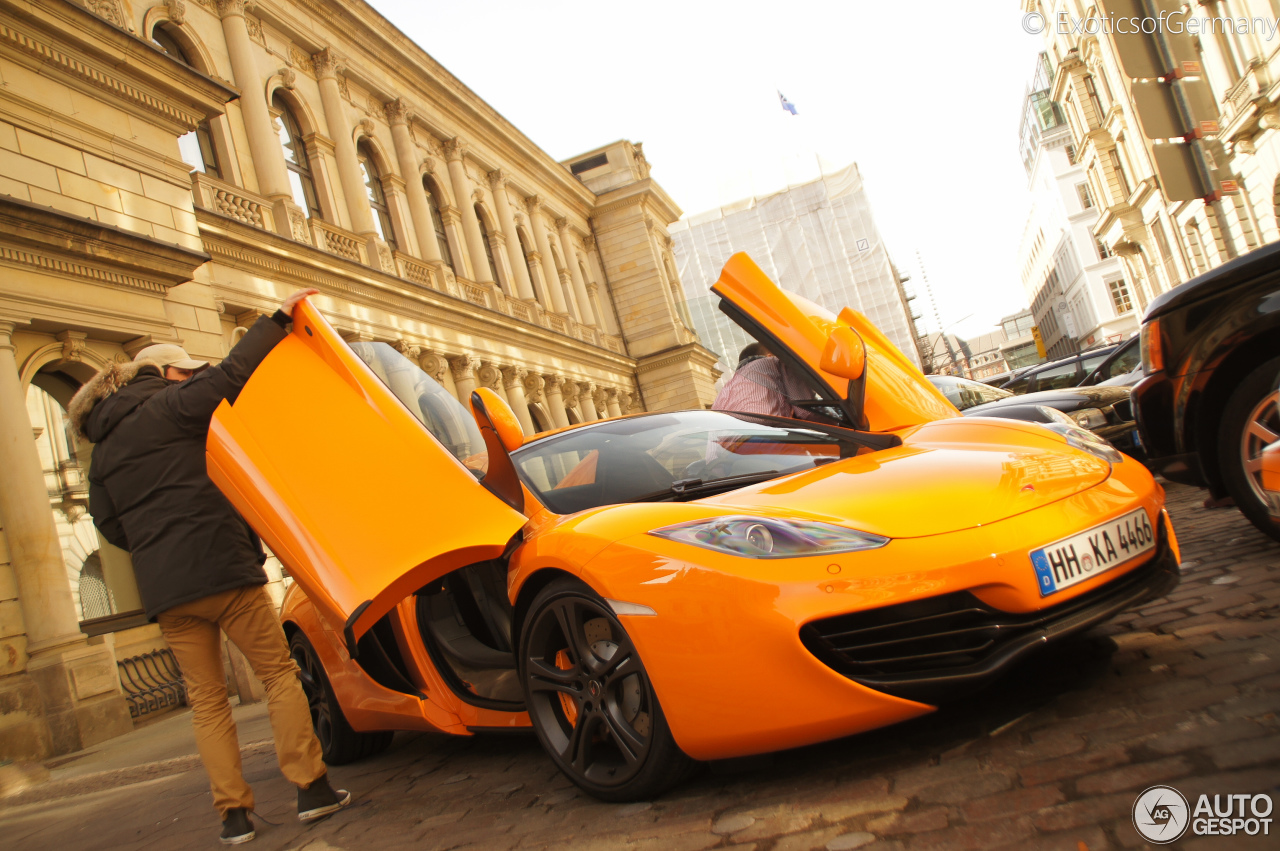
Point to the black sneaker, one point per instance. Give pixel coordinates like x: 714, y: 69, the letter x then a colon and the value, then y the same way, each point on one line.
x: 236, y: 827
x: 320, y: 799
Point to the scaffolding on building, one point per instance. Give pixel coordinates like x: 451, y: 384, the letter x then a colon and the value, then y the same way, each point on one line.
x: 817, y: 239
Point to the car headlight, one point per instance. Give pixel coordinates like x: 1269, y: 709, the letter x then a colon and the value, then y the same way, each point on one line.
x: 767, y: 537
x: 1089, y: 417
x: 1088, y: 441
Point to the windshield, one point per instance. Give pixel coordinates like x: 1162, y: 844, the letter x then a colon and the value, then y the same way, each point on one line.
x: 672, y: 456
x: 964, y: 393
x: 436, y: 408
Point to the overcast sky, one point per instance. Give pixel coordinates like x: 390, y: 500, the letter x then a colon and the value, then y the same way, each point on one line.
x: 925, y: 98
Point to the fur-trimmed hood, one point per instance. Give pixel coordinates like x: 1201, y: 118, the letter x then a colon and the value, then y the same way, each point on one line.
x: 93, y: 420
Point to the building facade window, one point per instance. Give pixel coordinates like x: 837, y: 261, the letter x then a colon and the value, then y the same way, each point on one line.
x: 195, y: 148
x: 377, y: 197
x: 437, y: 222
x: 1091, y: 90
x: 1104, y: 251
x: 1085, y: 196
x: 1120, y: 296
x: 295, y: 160
x: 1117, y: 163
x: 488, y: 243
x: 1071, y: 155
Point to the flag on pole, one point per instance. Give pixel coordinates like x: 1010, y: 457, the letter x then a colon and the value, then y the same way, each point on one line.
x: 787, y: 105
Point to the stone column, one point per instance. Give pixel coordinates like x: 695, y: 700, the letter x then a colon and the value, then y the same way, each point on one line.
x: 551, y: 277
x: 587, y: 402
x: 34, y: 550
x: 407, y: 155
x: 455, y: 150
x: 464, y: 378
x: 264, y: 142
x: 513, y: 380
x: 533, y: 394
x: 611, y: 402
x: 349, y: 174
x: 555, y: 400
x: 519, y: 265
x: 71, y: 691
x: 585, y: 311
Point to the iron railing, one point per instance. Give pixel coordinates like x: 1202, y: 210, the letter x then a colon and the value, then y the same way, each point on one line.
x: 152, y: 682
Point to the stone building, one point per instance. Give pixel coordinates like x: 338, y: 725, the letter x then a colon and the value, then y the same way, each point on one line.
x: 1163, y: 242
x: 170, y: 170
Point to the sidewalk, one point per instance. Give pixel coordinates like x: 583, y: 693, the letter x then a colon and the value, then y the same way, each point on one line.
x: 158, y: 748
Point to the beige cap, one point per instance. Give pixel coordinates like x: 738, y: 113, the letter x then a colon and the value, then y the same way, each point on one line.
x: 167, y: 354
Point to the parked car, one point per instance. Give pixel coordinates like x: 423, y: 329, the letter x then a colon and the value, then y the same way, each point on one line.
x: 652, y: 590
x: 1208, y: 405
x: 1054, y: 375
x: 1105, y: 411
x: 1122, y: 368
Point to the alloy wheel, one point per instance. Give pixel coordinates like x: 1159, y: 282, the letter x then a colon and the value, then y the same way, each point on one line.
x: 589, y: 695
x: 311, y: 674
x: 1262, y: 428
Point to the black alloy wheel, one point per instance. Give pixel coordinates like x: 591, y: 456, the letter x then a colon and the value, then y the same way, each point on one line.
x: 590, y: 698
x: 1250, y: 422
x: 339, y: 743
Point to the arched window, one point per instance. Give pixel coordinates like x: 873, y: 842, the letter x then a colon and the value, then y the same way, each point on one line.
x: 195, y: 148
x: 96, y: 600
x: 488, y: 245
x: 377, y: 198
x: 295, y: 159
x: 437, y: 222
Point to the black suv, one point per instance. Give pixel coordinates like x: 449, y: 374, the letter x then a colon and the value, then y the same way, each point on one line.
x: 1208, y: 404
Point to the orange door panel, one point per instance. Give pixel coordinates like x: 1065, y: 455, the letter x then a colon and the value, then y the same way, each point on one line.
x: 897, y: 394
x: 347, y: 487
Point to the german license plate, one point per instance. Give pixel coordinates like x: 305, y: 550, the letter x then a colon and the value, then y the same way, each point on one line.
x: 1075, y: 559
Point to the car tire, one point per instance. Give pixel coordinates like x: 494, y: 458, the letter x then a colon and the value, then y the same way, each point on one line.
x: 592, y: 704
x: 339, y: 743
x: 1250, y: 421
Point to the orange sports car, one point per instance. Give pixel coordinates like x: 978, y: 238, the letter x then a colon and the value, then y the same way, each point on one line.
x: 650, y: 591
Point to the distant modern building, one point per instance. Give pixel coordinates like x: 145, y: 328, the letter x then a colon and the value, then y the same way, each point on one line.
x: 818, y: 239
x: 1019, y: 347
x: 1078, y: 289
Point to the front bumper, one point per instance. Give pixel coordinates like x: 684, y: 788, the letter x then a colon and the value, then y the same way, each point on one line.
x: 945, y: 647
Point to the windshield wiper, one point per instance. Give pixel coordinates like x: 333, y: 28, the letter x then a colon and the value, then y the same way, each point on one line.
x: 691, y: 487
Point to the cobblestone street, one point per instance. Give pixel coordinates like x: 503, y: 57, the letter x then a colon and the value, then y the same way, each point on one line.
x: 1185, y: 691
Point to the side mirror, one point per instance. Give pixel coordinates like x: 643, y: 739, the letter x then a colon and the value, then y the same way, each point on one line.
x: 502, y: 436
x: 492, y: 410
x: 845, y: 354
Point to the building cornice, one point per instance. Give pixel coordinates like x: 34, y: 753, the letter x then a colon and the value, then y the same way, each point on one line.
x: 42, y: 237
x: 93, y: 55
x: 643, y: 192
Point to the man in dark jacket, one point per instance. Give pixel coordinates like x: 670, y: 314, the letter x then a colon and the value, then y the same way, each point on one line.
x: 197, y: 563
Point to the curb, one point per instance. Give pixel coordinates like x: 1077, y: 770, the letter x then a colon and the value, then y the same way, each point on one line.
x: 97, y: 781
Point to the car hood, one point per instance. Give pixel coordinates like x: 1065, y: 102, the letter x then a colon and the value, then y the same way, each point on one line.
x: 897, y: 394
x: 946, y: 476
x: 1066, y: 399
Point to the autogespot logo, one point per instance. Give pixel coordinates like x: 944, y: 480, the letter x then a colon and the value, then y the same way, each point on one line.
x: 1160, y: 814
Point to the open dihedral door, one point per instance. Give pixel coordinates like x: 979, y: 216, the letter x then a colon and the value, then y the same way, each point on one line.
x: 897, y: 394
x: 351, y: 468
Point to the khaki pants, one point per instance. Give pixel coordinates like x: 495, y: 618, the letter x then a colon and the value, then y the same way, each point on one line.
x: 249, y: 619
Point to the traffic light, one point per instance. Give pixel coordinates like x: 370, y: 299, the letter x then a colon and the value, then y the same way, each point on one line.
x: 1040, y: 349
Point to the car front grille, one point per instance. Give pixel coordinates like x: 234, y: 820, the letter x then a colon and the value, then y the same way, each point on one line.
x: 923, y: 649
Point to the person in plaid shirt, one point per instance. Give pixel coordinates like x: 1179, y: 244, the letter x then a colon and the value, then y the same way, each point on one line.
x: 762, y: 384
